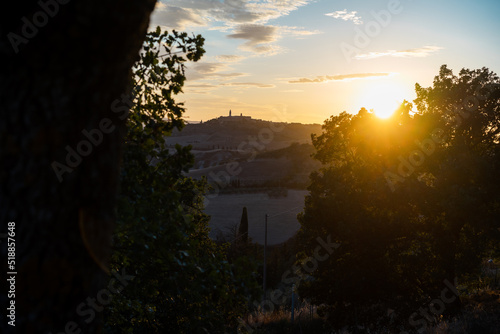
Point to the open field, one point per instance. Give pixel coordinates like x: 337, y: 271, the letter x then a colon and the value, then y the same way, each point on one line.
x: 226, y: 211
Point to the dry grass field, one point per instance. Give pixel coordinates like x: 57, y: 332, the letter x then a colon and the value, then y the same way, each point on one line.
x: 226, y: 210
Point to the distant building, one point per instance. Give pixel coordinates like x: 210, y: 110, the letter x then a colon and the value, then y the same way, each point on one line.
x: 232, y: 118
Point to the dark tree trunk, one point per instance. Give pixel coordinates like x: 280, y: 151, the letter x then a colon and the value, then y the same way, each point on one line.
x: 62, y: 77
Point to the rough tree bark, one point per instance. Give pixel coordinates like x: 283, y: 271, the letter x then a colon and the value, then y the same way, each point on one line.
x: 65, y: 67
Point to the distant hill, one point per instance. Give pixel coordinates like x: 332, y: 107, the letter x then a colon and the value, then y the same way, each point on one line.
x: 250, y: 152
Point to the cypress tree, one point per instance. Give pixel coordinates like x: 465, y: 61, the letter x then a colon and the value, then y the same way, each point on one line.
x: 243, y: 230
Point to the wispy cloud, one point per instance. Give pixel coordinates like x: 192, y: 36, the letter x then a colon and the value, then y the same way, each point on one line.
x: 273, y: 9
x: 230, y: 75
x: 206, y: 86
x: 241, y: 19
x: 297, y: 31
x: 229, y: 58
x: 211, y: 70
x: 159, y: 5
x: 417, y: 52
x: 339, y: 77
x: 260, y: 38
x: 238, y: 11
x: 172, y: 17
x: 346, y: 16
x: 249, y: 84
x: 208, y: 68
x: 257, y: 36
x: 202, y: 88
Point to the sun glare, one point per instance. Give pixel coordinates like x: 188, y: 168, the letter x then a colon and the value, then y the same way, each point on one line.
x: 384, y: 99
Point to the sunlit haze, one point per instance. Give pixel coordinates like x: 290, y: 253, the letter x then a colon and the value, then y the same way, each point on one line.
x: 302, y: 61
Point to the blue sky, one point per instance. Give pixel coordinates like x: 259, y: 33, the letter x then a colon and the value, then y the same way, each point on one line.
x: 302, y: 61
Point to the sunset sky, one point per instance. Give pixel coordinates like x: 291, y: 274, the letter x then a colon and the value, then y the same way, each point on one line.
x: 302, y: 61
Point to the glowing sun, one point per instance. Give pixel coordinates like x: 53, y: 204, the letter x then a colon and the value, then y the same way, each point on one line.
x: 383, y: 98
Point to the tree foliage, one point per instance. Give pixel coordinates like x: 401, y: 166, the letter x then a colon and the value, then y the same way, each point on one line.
x: 412, y: 200
x: 182, y: 283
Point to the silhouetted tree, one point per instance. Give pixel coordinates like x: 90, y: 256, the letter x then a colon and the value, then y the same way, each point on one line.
x: 412, y: 200
x: 184, y: 283
x: 458, y: 194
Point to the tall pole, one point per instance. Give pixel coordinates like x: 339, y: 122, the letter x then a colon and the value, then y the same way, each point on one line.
x: 265, y: 258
